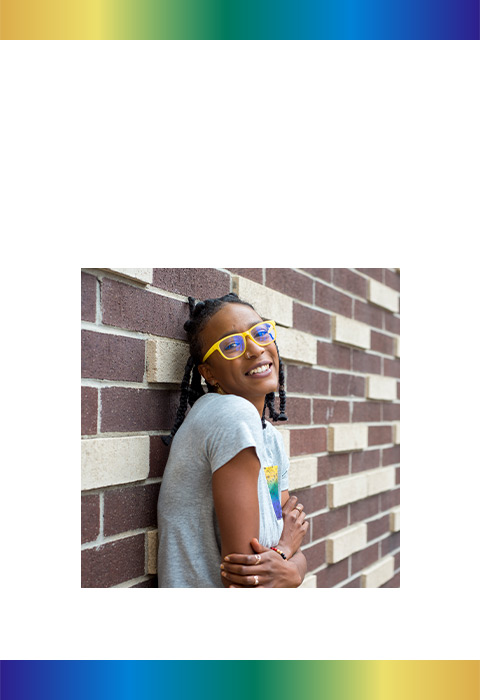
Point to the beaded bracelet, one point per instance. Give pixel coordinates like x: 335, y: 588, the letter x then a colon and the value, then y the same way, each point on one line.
x: 279, y: 552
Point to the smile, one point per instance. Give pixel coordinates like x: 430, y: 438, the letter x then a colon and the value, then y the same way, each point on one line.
x: 261, y: 370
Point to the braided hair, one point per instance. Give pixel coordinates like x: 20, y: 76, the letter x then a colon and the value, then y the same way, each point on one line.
x: 191, y: 387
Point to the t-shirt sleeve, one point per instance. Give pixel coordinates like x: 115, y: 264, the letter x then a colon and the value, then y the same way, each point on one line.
x: 233, y: 428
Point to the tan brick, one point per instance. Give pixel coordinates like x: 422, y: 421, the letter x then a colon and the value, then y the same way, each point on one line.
x: 119, y: 460
x: 395, y: 519
x: 397, y: 346
x: 346, y: 489
x: 346, y: 437
x: 377, y: 574
x: 297, y: 346
x: 344, y: 542
x: 383, y: 296
x: 310, y: 581
x: 141, y: 274
x: 350, y: 332
x: 396, y: 433
x: 381, y: 388
x: 152, y: 549
x: 379, y: 480
x: 166, y: 360
x: 285, y: 435
x: 302, y: 472
x: 268, y: 303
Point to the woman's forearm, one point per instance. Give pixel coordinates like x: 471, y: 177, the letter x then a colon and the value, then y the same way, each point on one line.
x: 300, y: 563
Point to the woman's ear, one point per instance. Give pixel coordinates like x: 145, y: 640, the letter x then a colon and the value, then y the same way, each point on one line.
x: 206, y: 372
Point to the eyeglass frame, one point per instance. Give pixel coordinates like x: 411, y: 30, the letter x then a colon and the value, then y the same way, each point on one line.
x: 216, y: 346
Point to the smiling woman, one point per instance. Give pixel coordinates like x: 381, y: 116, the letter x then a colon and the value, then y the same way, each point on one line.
x: 225, y: 517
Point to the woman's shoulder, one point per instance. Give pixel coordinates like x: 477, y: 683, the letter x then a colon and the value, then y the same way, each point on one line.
x: 219, y: 408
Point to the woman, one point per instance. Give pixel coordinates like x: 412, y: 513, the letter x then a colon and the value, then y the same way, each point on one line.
x: 225, y: 517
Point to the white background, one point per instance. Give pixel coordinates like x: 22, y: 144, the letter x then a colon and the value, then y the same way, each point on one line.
x: 233, y: 154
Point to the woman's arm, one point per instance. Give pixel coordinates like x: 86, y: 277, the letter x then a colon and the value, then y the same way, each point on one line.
x: 235, y: 495
x: 273, y: 571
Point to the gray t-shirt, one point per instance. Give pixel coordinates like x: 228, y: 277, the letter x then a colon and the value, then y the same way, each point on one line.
x: 216, y: 429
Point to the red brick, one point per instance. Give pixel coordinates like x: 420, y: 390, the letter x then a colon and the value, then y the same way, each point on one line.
x: 306, y: 380
x: 89, y: 297
x: 392, y: 279
x: 379, y: 434
x: 378, y: 527
x: 129, y: 410
x: 391, y: 368
x: 365, y: 557
x: 290, y: 282
x: 347, y: 385
x: 368, y: 459
x: 158, y: 456
x: 366, y: 313
x: 335, y: 356
x: 313, y: 499
x: 397, y: 476
x: 375, y: 272
x: 298, y: 411
x: 333, y: 574
x: 391, y: 455
x: 381, y: 343
x: 200, y: 283
x: 331, y: 300
x: 325, y: 523
x: 390, y: 543
x: 252, y: 273
x: 366, y: 508
x: 90, y: 517
x: 315, y: 555
x: 328, y: 411
x: 330, y: 466
x: 390, y: 411
x: 136, y: 309
x: 365, y: 362
x: 324, y: 273
x: 392, y: 324
x: 114, y: 562
x: 345, y: 278
x: 390, y: 499
x: 365, y: 411
x: 307, y: 441
x: 311, y: 321
x: 355, y: 583
x: 130, y: 508
x: 89, y: 410
x: 106, y: 356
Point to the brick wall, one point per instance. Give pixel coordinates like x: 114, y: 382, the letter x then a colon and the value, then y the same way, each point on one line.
x: 338, y: 334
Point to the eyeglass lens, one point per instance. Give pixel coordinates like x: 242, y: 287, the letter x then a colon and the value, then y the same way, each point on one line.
x: 234, y: 345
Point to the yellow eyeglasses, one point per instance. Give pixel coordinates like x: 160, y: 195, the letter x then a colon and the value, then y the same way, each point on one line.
x: 234, y: 346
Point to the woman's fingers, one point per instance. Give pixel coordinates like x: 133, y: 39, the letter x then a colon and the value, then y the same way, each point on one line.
x: 290, y: 504
x: 245, y: 559
x: 251, y: 580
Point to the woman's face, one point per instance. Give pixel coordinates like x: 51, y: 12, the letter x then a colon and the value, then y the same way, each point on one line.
x: 233, y: 375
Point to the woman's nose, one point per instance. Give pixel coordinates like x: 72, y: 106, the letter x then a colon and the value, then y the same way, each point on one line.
x: 252, y: 349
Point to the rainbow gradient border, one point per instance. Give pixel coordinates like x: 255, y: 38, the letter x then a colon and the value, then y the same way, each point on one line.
x: 239, y: 19
x: 265, y: 680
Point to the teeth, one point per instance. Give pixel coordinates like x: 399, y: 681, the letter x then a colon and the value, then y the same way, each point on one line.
x: 257, y: 370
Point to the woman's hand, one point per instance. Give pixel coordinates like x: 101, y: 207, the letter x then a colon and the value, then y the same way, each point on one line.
x: 266, y: 569
x: 294, y: 527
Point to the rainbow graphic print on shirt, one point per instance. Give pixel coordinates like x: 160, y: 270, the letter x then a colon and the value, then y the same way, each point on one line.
x: 272, y: 480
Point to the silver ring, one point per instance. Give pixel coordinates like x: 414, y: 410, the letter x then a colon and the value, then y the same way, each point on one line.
x: 256, y: 580
x: 299, y: 509
x: 257, y: 559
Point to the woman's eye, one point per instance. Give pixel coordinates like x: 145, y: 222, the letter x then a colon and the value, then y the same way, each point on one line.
x: 232, y: 346
x: 260, y: 333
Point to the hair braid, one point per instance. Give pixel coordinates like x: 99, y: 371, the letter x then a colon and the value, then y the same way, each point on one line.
x: 184, y: 400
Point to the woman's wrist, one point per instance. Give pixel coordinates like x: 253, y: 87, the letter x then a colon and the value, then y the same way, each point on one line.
x: 285, y: 548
